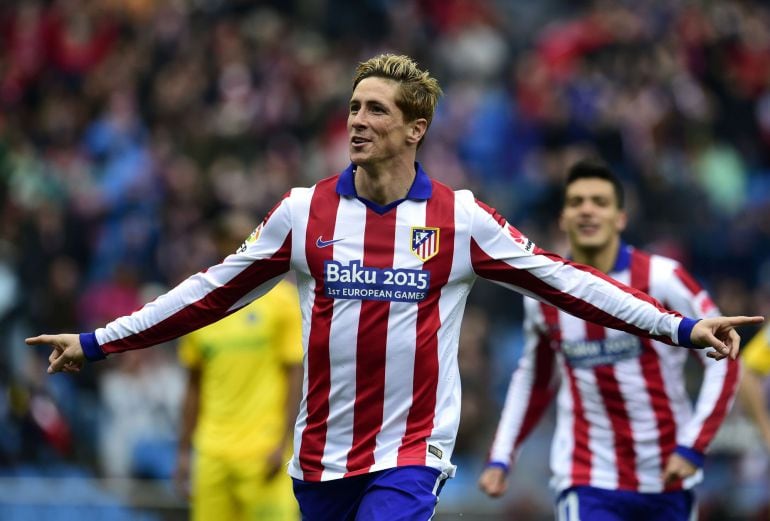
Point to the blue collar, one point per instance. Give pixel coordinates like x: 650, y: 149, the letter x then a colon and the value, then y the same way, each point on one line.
x: 421, y: 188
x: 623, y: 259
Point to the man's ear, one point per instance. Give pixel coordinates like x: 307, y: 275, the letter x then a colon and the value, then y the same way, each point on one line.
x: 622, y: 221
x: 417, y: 129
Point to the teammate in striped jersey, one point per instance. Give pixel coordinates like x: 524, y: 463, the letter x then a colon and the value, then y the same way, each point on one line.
x: 384, y: 259
x: 628, y: 443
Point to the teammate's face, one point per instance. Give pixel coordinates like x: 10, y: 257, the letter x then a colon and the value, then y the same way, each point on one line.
x: 591, y: 216
x: 376, y: 125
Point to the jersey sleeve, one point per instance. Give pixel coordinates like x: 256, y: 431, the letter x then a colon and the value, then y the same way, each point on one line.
x: 207, y: 296
x: 532, y: 387
x: 720, y: 378
x: 756, y: 354
x: 502, y: 254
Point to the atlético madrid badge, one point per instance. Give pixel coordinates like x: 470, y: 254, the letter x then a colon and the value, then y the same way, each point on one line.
x: 424, y: 242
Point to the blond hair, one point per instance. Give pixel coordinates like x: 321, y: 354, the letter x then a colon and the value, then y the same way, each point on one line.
x: 418, y: 94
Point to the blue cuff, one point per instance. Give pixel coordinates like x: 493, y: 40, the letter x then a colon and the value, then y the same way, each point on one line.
x: 499, y: 465
x: 693, y: 456
x: 685, y: 332
x: 91, y: 347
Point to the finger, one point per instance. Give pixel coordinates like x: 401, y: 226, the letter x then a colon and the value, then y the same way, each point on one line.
x: 716, y: 355
x: 55, y: 354
x: 717, y: 344
x: 733, y: 341
x: 39, y: 340
x: 743, y: 321
x: 57, y: 364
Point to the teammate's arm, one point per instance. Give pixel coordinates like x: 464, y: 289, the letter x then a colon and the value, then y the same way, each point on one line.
x: 531, y: 389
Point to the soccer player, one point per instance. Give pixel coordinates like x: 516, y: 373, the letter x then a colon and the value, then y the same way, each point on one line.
x: 628, y: 443
x: 755, y: 359
x: 243, y: 390
x: 384, y: 258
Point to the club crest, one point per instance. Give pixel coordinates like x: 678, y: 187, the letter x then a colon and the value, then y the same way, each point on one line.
x: 425, y: 242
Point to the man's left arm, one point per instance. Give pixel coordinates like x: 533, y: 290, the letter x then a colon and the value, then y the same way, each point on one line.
x: 500, y: 253
x: 718, y: 387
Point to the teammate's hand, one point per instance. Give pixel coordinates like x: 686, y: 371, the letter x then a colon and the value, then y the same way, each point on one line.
x: 67, y: 354
x: 720, y: 334
x: 677, y: 467
x: 493, y: 481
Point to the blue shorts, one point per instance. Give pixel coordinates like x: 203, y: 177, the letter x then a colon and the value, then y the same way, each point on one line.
x: 402, y: 493
x: 596, y: 504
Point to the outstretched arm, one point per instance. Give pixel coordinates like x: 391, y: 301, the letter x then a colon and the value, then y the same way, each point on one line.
x: 500, y: 253
x: 201, y: 299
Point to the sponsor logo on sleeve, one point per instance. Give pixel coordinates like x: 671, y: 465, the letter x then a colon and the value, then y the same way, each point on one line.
x: 526, y: 244
x: 251, y: 239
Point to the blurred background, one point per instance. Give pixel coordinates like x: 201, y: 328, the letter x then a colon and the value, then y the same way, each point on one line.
x: 138, y: 137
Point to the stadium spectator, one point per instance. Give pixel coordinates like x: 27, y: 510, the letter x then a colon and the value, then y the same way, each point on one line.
x: 628, y: 443
x: 385, y: 258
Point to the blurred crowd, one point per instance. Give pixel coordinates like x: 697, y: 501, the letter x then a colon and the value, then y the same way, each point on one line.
x: 138, y: 137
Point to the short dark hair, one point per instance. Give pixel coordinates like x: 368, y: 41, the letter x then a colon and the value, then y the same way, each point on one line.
x: 594, y: 169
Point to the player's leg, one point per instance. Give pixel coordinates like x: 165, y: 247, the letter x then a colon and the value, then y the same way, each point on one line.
x: 210, y: 490
x: 593, y: 504
x: 334, y: 500
x: 402, y: 494
x: 672, y: 506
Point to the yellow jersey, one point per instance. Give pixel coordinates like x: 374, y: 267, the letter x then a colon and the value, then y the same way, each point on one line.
x: 242, y: 359
x: 756, y: 354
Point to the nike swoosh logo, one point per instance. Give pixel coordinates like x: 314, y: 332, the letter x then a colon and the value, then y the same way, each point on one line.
x: 323, y: 244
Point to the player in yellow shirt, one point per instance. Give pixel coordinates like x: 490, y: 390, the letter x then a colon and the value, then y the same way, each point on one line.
x: 755, y: 359
x: 244, y: 384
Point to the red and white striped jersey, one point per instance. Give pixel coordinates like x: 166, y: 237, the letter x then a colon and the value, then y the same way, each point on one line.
x: 622, y: 406
x: 382, y: 292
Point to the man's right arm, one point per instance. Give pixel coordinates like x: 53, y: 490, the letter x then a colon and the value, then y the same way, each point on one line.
x: 201, y: 299
x: 531, y: 389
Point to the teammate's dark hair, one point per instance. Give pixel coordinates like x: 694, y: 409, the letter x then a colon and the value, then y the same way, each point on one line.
x: 594, y: 169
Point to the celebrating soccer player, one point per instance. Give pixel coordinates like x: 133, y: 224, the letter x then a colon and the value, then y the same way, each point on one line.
x: 628, y: 444
x: 384, y: 258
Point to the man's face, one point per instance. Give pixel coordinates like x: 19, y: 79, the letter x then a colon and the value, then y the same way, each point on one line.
x: 591, y: 217
x: 376, y: 126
